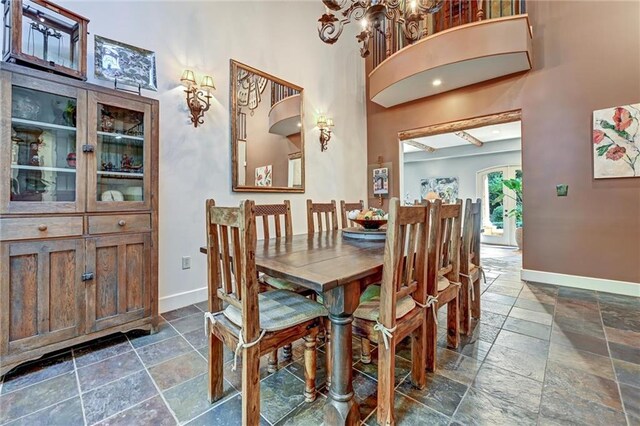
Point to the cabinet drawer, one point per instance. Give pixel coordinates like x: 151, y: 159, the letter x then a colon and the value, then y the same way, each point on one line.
x: 119, y: 223
x: 40, y: 227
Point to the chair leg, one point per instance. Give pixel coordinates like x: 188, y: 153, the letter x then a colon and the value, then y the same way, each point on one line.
x: 386, y: 383
x: 419, y: 355
x: 327, y: 350
x: 216, y: 357
x: 453, y: 324
x: 365, y: 355
x: 272, y: 365
x: 310, y: 358
x: 251, y: 385
x: 286, y: 352
x: 475, y: 305
x: 432, y: 340
x: 465, y: 308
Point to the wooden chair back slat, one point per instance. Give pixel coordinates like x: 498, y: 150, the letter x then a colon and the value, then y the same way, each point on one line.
x: 231, y: 243
x: 326, y: 216
x: 444, y: 244
x: 404, y: 268
x: 470, y: 249
x: 347, y: 207
x: 276, y: 214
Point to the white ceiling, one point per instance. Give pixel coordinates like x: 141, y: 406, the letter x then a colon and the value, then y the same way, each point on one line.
x: 496, y: 132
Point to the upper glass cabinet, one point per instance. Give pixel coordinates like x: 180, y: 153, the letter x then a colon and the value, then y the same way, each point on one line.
x: 42, y: 173
x: 119, y: 130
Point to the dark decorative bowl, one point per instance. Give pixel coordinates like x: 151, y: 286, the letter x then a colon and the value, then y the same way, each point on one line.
x: 370, y: 223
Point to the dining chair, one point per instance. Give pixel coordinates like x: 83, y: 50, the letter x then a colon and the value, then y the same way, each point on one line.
x: 275, y: 217
x: 253, y: 323
x: 396, y: 308
x: 325, y: 214
x: 470, y: 265
x: 346, y: 208
x: 443, y: 269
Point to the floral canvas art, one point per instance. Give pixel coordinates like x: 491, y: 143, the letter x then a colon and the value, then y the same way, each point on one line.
x: 263, y: 176
x: 445, y: 187
x: 616, y: 142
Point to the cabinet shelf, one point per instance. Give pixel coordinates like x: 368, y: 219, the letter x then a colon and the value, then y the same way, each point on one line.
x: 120, y: 136
x: 120, y: 174
x: 42, y: 124
x: 43, y: 168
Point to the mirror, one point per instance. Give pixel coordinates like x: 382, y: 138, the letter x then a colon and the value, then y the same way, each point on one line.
x: 267, y: 136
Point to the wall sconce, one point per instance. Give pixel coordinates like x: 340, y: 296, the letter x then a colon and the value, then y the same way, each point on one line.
x: 198, y: 99
x: 324, y: 124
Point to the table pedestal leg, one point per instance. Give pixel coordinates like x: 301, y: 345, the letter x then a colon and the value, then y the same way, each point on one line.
x: 341, y: 407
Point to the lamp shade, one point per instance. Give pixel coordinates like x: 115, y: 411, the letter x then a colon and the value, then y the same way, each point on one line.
x: 188, y: 79
x: 329, y: 122
x: 322, y: 122
x: 207, y: 83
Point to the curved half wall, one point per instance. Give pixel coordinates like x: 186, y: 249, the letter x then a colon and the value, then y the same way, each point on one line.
x: 457, y: 57
x: 284, y: 116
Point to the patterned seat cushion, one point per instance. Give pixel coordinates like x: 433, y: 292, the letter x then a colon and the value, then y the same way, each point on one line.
x: 369, y: 308
x: 280, y: 309
x: 280, y: 284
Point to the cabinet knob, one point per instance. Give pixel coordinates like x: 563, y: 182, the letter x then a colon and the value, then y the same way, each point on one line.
x: 42, y: 227
x: 121, y: 222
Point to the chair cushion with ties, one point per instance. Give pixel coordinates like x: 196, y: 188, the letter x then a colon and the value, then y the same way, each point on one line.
x: 369, y: 307
x: 280, y: 309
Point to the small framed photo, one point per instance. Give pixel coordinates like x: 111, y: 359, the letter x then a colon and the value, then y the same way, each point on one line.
x: 381, y: 181
x: 129, y: 65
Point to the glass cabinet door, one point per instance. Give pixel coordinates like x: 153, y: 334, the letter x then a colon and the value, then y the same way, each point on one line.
x: 41, y: 139
x: 120, y: 132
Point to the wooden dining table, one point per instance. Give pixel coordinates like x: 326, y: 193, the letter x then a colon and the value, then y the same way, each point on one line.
x: 338, y: 268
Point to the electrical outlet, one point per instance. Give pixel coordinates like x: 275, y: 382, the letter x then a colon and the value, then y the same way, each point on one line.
x: 186, y: 262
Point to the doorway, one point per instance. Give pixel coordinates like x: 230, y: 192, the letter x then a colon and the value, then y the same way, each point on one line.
x: 499, y: 204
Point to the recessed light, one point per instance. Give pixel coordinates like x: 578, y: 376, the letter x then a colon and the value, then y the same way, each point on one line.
x: 437, y: 82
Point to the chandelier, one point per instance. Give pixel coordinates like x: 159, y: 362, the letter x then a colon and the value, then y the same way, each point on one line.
x: 406, y: 14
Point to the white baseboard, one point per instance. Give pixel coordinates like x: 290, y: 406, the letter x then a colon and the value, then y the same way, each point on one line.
x: 179, y: 300
x: 599, y: 284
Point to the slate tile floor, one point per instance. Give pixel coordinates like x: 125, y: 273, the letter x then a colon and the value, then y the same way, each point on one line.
x: 539, y: 355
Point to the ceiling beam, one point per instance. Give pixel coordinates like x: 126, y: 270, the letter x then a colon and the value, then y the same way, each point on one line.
x: 467, y: 137
x: 471, y: 123
x: 419, y: 145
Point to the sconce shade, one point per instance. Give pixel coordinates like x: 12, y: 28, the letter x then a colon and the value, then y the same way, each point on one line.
x: 329, y: 122
x: 188, y: 79
x: 207, y: 84
x: 322, y: 122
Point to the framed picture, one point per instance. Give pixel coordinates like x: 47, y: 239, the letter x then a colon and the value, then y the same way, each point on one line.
x: 381, y: 181
x: 446, y: 188
x: 128, y: 64
x: 616, y: 142
x: 264, y: 176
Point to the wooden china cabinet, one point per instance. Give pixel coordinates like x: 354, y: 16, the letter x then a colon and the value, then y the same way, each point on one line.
x: 78, y: 213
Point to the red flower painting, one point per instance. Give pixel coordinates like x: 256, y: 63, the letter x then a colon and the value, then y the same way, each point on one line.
x: 616, y: 142
x: 598, y: 136
x: 622, y: 118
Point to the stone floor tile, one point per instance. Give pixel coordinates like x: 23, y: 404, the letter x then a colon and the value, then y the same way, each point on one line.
x: 152, y: 412
x: 441, y: 393
x: 562, y: 407
x: 621, y: 317
x: 480, y: 408
x: 631, y: 399
x: 534, y: 305
x: 627, y: 372
x: 297, y: 369
x: 203, y: 306
x: 522, y: 363
x: 114, y: 397
x: 366, y: 393
x: 403, y: 367
x: 505, y: 282
x: 65, y: 413
x: 189, y: 323
x: 492, y: 319
x: 485, y: 332
x: 101, y: 349
x: 491, y: 296
x: 181, y: 312
x: 578, y: 308
x: 577, y: 293
x: 496, y: 308
x: 504, y: 290
x: 305, y: 414
x: 37, y: 371
x: 589, y: 326
x: 522, y: 343
x: 624, y: 352
x: 229, y: 413
x: 529, y: 328
x: 513, y: 388
x: 196, y: 338
x: 603, y: 391
x: 162, y: 351
x: 543, y: 298
x: 139, y: 338
x: 280, y: 393
x: 580, y: 341
x: 178, y: 370
x: 29, y: 399
x: 189, y: 399
x: 533, y: 316
x: 585, y: 361
x: 460, y: 368
x: 623, y: 337
x: 408, y: 412
x: 108, y: 370
x: 235, y: 377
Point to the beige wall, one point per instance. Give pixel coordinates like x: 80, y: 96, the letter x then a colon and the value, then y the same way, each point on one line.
x: 586, y: 57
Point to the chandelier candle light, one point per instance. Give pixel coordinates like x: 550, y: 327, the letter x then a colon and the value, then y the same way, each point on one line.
x: 198, y: 98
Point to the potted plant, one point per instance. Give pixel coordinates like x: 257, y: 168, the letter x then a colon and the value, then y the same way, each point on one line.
x: 515, y: 185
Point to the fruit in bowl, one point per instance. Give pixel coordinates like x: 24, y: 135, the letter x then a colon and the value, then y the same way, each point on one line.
x: 369, y: 219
